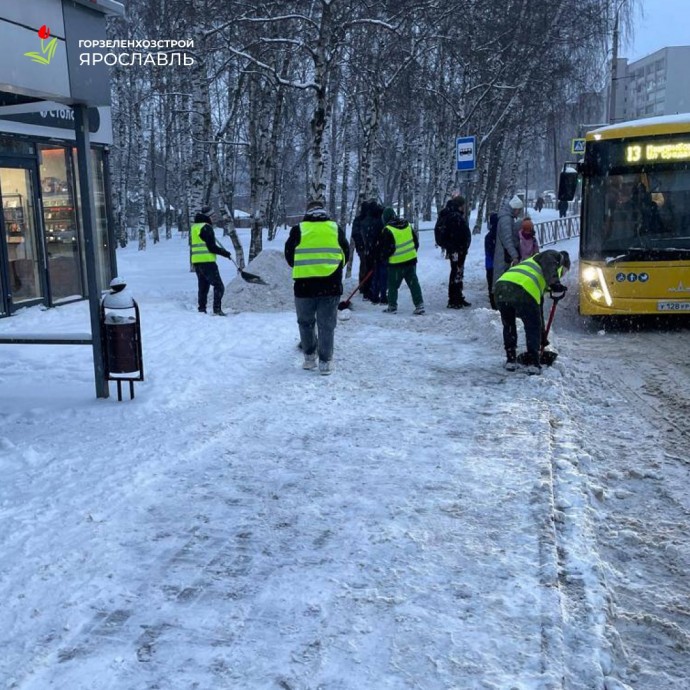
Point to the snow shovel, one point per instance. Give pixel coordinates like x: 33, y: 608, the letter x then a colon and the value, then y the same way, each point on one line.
x: 249, y: 277
x: 345, y: 304
x: 548, y: 357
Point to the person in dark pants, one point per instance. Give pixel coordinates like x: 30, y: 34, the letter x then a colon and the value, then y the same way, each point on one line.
x: 317, y: 250
x: 399, y: 245
x: 489, y: 250
x: 519, y: 294
x: 203, y: 250
x: 562, y: 208
x: 358, y: 240
x: 457, y: 240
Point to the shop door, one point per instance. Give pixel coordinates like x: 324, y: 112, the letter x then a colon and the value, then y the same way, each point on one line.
x: 22, y: 250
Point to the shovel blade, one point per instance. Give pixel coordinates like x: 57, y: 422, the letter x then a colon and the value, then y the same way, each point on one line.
x: 345, y: 304
x: 548, y: 357
x: 251, y: 278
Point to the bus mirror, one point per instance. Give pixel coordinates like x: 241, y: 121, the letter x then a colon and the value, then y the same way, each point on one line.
x: 567, y: 184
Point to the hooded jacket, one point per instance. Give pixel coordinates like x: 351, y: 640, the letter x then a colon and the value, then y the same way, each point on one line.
x: 387, y: 244
x: 549, y: 261
x: 328, y: 286
x: 507, y: 240
x: 457, y: 236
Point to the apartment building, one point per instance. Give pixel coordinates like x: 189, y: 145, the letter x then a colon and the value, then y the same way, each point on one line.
x: 657, y: 84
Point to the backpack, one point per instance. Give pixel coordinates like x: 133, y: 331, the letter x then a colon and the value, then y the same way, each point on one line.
x: 441, y: 231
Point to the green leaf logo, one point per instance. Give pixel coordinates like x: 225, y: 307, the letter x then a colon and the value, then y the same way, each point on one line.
x: 47, y: 50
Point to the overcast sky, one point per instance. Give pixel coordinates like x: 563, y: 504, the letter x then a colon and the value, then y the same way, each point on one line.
x: 661, y: 23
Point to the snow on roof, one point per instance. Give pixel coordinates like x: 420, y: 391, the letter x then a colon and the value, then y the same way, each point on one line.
x: 662, y: 124
x: 240, y: 214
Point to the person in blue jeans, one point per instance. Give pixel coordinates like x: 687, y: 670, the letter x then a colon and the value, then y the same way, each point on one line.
x: 317, y: 249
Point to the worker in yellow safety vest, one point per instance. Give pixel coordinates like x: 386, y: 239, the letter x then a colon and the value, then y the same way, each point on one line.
x: 398, y: 245
x: 203, y: 249
x: 519, y: 293
x: 317, y: 250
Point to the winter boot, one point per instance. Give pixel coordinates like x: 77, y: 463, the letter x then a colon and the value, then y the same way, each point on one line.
x: 464, y: 302
x: 309, y: 362
x: 219, y: 312
x: 511, y: 361
x: 325, y: 368
x: 532, y: 365
x: 390, y: 309
x: 419, y: 310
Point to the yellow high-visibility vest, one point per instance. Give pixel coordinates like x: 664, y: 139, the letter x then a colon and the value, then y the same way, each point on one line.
x: 318, y: 253
x: 197, y: 247
x: 528, y: 275
x: 404, y: 244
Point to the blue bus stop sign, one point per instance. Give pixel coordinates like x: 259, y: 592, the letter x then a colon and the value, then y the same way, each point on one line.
x: 464, y: 153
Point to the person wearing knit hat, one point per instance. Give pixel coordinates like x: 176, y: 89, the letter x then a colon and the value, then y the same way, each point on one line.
x: 317, y: 250
x: 507, y: 252
x: 398, y: 246
x: 203, y: 251
x: 387, y: 215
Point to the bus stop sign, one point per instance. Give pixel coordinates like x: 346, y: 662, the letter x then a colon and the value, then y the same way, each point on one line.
x: 577, y: 146
x: 464, y: 153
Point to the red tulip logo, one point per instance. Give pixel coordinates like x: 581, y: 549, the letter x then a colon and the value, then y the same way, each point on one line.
x: 47, y: 50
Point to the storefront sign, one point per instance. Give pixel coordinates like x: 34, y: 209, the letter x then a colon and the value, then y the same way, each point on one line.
x: 60, y: 118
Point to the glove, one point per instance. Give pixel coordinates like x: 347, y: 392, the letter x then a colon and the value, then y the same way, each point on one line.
x: 558, y: 291
x: 515, y: 262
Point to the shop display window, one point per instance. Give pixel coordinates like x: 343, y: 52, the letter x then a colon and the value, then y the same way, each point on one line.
x: 101, y: 241
x: 60, y: 224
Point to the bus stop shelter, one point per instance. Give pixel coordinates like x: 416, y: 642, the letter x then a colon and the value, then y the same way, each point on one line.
x: 42, y: 73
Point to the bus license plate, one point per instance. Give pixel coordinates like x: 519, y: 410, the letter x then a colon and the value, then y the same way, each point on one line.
x: 673, y: 306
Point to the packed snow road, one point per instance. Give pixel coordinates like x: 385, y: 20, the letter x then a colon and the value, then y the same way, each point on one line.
x: 640, y: 461
x: 419, y: 519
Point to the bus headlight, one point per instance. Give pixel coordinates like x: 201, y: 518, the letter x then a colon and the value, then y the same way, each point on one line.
x: 589, y: 273
x: 594, y: 281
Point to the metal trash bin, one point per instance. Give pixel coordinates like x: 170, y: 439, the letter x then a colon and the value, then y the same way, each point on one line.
x: 121, y: 337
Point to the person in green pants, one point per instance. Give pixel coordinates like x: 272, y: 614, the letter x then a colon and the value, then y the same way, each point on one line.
x: 399, y: 245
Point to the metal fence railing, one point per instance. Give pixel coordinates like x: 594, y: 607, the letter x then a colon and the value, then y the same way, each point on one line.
x: 550, y: 231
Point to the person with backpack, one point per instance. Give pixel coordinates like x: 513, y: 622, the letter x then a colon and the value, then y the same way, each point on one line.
x: 489, y: 249
x: 399, y: 245
x: 452, y: 233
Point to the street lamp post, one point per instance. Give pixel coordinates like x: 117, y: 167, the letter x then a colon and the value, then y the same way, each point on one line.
x: 614, y: 68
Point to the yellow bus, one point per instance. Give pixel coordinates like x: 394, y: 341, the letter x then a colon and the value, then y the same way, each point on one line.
x: 635, y: 217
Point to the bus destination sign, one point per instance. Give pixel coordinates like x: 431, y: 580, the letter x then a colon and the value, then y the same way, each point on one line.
x: 657, y: 153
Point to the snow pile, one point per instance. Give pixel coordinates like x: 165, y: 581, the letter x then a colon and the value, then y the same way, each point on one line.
x: 241, y: 296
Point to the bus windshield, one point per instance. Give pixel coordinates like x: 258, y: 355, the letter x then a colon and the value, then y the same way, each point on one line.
x: 647, y: 212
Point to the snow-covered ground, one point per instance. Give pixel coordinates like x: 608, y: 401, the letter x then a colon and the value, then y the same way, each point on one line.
x: 419, y: 519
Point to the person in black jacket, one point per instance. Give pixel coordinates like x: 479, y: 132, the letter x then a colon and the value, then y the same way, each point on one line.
x: 358, y: 240
x: 203, y: 250
x: 454, y: 233
x: 398, y: 246
x: 317, y: 296
x: 489, y: 250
